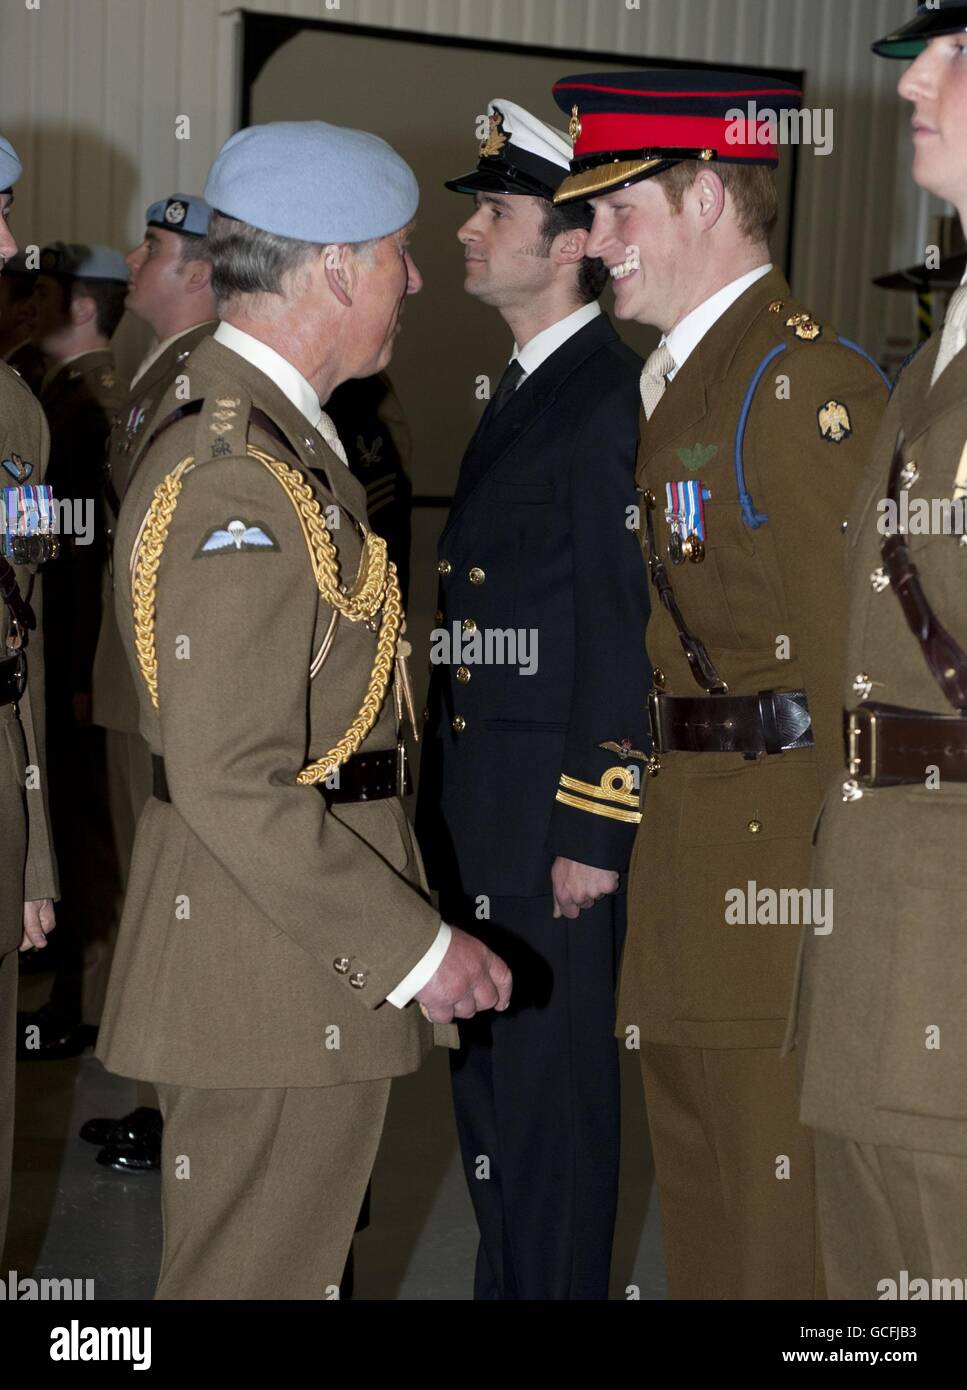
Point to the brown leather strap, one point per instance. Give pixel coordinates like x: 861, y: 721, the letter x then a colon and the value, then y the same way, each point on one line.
x: 943, y: 654
x: 888, y: 745
x: 770, y: 722
x: 699, y: 662
x: 179, y: 413
x: 20, y: 609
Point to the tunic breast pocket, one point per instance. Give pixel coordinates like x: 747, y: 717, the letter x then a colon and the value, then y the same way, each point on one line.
x: 921, y: 1059
x: 726, y: 599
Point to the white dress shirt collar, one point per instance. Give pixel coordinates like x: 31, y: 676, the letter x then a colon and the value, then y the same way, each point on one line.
x: 686, y: 336
x: 540, y: 347
x: 277, y: 368
x: 287, y: 378
x: 150, y: 358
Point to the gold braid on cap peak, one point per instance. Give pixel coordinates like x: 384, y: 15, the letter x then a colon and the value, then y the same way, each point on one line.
x: 375, y: 590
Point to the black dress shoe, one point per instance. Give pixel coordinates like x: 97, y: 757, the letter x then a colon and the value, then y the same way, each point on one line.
x: 142, y: 1157
x: 132, y: 1129
x: 56, y: 1038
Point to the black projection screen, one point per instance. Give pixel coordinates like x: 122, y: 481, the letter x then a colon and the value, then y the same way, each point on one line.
x: 424, y: 95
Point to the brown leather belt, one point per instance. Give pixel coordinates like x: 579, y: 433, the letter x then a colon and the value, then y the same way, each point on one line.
x: 770, y: 722
x: 888, y: 746
x: 364, y: 777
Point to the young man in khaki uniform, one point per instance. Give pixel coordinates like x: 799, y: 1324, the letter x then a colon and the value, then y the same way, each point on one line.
x: 274, y: 933
x: 756, y: 421
x: 28, y: 882
x: 170, y: 290
x: 882, y: 1040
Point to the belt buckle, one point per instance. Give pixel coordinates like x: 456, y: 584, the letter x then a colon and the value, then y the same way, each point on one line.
x: 654, y: 719
x: 860, y: 720
x: 400, y: 767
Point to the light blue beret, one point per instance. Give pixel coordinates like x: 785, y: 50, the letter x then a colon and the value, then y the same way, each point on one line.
x: 10, y: 166
x: 313, y: 181
x: 182, y: 212
x: 83, y: 262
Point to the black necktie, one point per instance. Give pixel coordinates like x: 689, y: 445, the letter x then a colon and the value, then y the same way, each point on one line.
x: 507, y: 385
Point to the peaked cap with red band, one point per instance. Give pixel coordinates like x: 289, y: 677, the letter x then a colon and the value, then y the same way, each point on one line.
x: 627, y: 126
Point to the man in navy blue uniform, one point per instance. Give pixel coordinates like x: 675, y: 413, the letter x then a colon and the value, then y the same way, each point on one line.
x: 536, y: 725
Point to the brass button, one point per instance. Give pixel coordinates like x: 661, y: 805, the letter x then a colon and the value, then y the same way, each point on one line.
x: 459, y: 724
x: 648, y: 498
x: 358, y: 980
x: 438, y: 616
x: 658, y: 676
x: 909, y: 474
x: 844, y: 526
x: 444, y: 567
x: 469, y: 625
x: 862, y: 685
x: 477, y: 575
x: 463, y: 675
x: 341, y: 965
x: 879, y: 580
x: 426, y: 715
x: 755, y: 826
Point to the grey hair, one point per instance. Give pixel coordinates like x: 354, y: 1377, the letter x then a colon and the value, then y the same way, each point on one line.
x: 248, y: 260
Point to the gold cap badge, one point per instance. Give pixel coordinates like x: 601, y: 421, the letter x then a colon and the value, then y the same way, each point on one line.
x: 497, y: 139
x: 574, y: 126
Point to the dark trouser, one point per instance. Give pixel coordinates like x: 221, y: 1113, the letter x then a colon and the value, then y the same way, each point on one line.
x: 8, y: 1052
x: 536, y: 1095
x: 83, y: 842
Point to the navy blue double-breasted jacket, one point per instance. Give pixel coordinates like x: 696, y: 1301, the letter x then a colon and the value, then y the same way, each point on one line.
x: 539, y: 640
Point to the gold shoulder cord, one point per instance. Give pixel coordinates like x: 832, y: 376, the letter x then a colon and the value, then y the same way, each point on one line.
x: 375, y: 590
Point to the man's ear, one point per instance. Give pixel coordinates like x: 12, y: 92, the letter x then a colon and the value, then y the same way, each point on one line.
x: 708, y: 198
x: 198, y: 276
x: 337, y: 262
x: 569, y: 246
x: 82, y: 310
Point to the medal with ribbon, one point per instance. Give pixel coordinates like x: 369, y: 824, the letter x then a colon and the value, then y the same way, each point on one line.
x: 685, y: 514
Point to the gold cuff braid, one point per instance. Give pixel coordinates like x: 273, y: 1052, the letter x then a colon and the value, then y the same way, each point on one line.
x: 374, y: 590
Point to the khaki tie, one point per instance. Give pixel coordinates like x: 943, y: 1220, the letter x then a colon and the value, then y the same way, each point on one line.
x: 328, y: 431
x: 954, y: 332
x: 654, y: 378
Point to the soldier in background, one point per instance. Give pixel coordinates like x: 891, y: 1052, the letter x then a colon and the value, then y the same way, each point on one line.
x: 170, y: 290
x: 28, y: 881
x: 17, y: 321
x: 79, y: 299
x: 369, y: 418
x: 882, y: 1039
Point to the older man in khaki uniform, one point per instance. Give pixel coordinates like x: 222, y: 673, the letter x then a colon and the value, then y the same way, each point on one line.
x: 756, y: 421
x: 882, y: 1021
x: 274, y: 933
x: 28, y: 881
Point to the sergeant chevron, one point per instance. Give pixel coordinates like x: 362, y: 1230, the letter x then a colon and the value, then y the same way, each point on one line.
x: 485, y: 646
